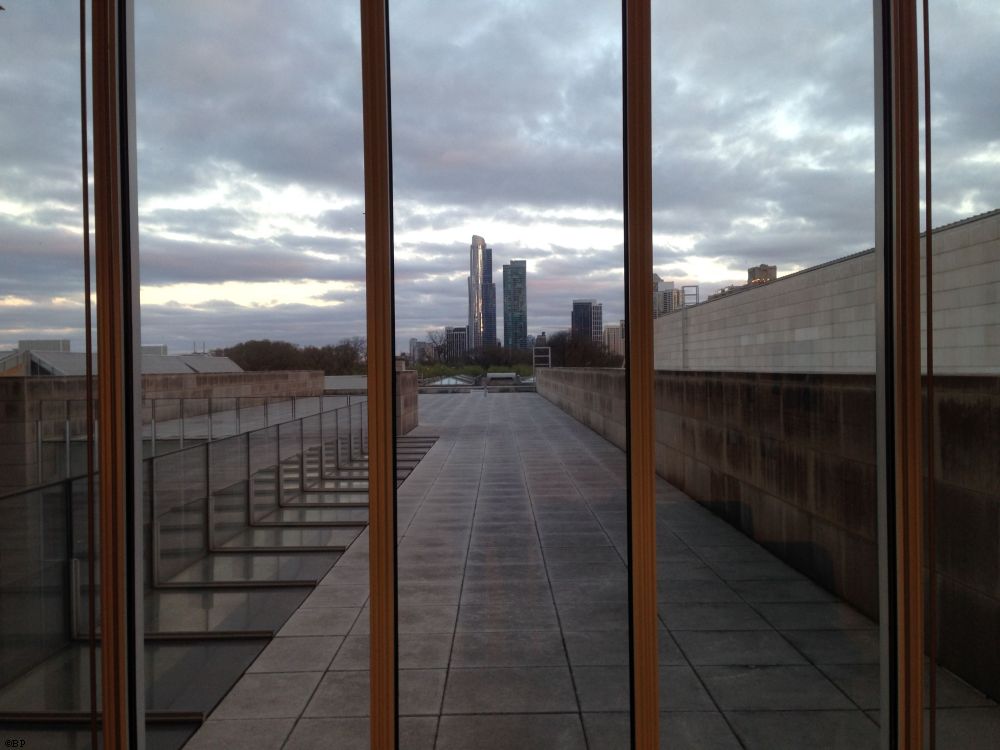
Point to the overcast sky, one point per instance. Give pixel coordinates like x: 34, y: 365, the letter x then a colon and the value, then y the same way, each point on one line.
x: 506, y: 123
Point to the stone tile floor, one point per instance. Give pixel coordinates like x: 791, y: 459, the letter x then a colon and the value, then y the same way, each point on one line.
x: 512, y: 617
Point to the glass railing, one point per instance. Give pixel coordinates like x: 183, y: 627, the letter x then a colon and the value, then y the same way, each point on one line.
x: 224, y: 564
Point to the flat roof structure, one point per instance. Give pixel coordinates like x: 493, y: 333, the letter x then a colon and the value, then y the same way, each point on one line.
x: 513, y: 610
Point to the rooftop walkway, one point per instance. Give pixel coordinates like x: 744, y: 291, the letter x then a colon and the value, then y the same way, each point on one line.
x: 512, y: 622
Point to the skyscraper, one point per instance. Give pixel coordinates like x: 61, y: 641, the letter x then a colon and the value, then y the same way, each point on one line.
x: 587, y: 320
x: 456, y: 344
x: 515, y: 305
x: 482, y: 296
x: 666, y: 297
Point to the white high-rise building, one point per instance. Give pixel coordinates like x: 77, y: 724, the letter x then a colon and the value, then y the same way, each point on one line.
x: 482, y: 296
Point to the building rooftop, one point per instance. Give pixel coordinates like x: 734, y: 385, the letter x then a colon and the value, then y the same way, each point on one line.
x: 66, y: 363
x: 513, y: 626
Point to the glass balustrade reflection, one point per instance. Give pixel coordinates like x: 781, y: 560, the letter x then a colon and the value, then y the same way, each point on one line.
x: 49, y: 686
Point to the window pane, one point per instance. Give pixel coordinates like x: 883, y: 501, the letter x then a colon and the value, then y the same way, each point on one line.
x: 45, y: 646
x: 513, y: 580
x: 253, y: 325
x: 764, y: 350
x: 964, y: 497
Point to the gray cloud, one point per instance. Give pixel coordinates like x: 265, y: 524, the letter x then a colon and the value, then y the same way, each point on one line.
x: 506, y: 118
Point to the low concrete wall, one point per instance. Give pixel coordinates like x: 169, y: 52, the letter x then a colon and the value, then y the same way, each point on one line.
x: 789, y: 459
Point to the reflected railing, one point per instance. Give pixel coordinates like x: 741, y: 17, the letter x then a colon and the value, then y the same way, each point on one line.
x: 167, y: 424
x: 202, y: 504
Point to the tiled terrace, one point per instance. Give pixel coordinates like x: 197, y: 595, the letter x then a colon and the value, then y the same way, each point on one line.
x: 512, y: 592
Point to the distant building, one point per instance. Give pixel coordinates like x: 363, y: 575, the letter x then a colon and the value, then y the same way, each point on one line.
x: 456, y: 343
x: 64, y: 363
x: 614, y: 338
x: 762, y: 274
x: 726, y: 291
x: 515, y: 305
x: 43, y: 345
x: 482, y: 328
x: 421, y: 351
x: 541, y: 339
x: 586, y: 321
x: 666, y: 297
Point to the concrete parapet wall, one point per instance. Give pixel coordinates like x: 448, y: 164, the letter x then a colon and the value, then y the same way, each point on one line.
x: 789, y: 459
x: 823, y: 319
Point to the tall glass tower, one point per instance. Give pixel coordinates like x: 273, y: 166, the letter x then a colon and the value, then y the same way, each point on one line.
x: 515, y: 305
x: 482, y: 296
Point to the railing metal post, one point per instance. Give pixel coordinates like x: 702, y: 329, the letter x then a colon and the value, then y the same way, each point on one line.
x: 38, y: 451
x: 66, y: 448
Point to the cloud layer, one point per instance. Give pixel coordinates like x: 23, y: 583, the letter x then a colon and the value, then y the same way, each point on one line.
x: 507, y: 122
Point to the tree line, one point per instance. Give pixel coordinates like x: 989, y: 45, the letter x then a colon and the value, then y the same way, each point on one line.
x: 566, y: 352
x: 349, y: 357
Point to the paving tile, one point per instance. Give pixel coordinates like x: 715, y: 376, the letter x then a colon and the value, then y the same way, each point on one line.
x: 565, y: 571
x: 347, y: 693
x: 792, y: 590
x: 608, y: 555
x: 429, y: 592
x: 836, y: 646
x: 300, y: 654
x: 968, y: 728
x: 713, y: 616
x: 511, y: 592
x: 736, y: 647
x: 505, y: 572
x: 585, y: 591
x: 794, y: 730
x: 772, y: 688
x: 323, y: 734
x: 525, y: 732
x: 607, y: 689
x: 679, y: 730
x: 416, y: 651
x: 321, y: 621
x: 814, y: 616
x: 432, y: 618
x: 695, y: 591
x: 509, y: 690
x: 542, y: 648
x: 268, y: 696
x: 337, y: 595
x: 240, y: 734
x: 594, y: 616
x: 772, y: 569
x: 494, y: 616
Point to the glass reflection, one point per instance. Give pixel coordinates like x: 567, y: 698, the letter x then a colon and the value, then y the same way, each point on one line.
x: 764, y: 349
x: 513, y: 540
x: 962, y: 493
